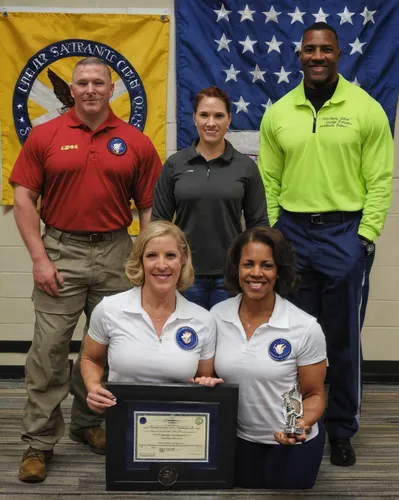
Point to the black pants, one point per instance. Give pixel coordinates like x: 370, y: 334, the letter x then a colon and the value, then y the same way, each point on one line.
x: 276, y: 466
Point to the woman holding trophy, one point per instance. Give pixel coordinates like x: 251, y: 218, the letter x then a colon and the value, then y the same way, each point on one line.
x: 277, y: 355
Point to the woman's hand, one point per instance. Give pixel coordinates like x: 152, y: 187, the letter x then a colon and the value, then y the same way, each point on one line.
x: 208, y: 381
x: 283, y: 438
x: 99, y: 398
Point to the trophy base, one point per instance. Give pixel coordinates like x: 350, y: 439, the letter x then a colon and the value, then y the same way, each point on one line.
x: 293, y: 430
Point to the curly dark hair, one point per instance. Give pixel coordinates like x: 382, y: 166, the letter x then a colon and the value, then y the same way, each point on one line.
x: 283, y: 255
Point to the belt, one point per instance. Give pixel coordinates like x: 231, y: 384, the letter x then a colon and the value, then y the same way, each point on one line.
x: 87, y: 237
x: 324, y: 217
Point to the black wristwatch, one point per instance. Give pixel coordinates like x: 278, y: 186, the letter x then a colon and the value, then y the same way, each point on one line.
x: 368, y: 245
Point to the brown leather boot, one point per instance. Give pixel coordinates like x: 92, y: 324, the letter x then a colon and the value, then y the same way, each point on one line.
x: 92, y: 436
x: 33, y: 466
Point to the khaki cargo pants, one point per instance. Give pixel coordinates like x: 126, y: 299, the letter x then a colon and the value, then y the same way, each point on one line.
x: 91, y: 271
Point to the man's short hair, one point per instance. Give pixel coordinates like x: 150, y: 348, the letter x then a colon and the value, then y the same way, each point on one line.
x: 90, y: 61
x: 321, y: 26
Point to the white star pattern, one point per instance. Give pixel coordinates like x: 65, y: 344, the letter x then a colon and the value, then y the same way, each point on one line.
x: 273, y: 45
x: 248, y: 44
x: 241, y: 105
x: 320, y: 17
x: 246, y: 14
x: 268, y: 104
x: 222, y: 14
x: 368, y: 15
x: 19, y: 106
x: 231, y: 73
x: 282, y: 75
x: 297, y: 16
x: 357, y: 47
x: 223, y: 43
x: 346, y: 16
x: 356, y: 82
x: 21, y: 120
x: 257, y: 74
x: 271, y: 15
x: 298, y: 45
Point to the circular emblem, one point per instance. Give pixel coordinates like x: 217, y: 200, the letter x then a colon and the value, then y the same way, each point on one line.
x: 117, y: 146
x: 199, y: 420
x: 280, y: 349
x: 143, y: 420
x: 55, y: 100
x: 186, y: 338
x: 168, y: 476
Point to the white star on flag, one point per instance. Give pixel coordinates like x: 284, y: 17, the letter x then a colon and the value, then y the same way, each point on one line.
x: 346, y: 16
x: 368, y: 15
x: 283, y: 75
x: 231, y: 73
x: 273, y: 45
x: 356, y: 82
x: 257, y: 74
x: 241, y: 105
x: 298, y: 45
x: 222, y: 14
x: 268, y: 104
x: 320, y: 17
x: 223, y: 43
x: 248, y: 44
x: 246, y: 14
x: 357, y: 46
x: 271, y: 15
x: 297, y: 16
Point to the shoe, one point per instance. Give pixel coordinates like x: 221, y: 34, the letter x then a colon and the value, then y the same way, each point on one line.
x: 33, y: 466
x: 342, y: 453
x: 92, y: 436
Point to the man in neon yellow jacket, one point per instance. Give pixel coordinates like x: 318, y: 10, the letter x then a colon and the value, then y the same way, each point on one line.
x: 326, y: 160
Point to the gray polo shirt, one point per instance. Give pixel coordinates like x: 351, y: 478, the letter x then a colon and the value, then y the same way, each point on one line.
x: 209, y: 198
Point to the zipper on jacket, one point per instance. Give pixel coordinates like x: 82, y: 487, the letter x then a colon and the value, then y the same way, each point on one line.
x: 208, y: 172
x: 314, y: 124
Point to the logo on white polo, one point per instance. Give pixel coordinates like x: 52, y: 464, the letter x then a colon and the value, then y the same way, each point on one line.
x: 279, y: 349
x: 186, y: 338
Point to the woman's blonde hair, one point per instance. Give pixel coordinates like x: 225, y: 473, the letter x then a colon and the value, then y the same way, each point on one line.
x: 156, y: 229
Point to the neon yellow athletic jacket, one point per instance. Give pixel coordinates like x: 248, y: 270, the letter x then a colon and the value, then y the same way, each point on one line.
x: 338, y: 159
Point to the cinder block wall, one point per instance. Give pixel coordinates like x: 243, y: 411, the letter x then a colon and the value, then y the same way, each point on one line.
x: 16, y: 312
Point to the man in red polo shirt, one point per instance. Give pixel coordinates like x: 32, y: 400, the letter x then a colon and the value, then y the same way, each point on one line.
x: 86, y: 165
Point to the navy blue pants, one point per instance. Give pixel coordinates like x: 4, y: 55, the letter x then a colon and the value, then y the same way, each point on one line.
x: 277, y: 466
x: 334, y: 271
x: 206, y: 291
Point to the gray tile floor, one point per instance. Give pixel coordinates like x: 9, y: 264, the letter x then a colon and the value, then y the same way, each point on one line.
x: 76, y: 472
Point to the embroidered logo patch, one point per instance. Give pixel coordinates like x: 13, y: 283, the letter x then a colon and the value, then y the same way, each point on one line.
x: 69, y: 146
x: 186, y: 338
x: 280, y: 349
x: 117, y: 146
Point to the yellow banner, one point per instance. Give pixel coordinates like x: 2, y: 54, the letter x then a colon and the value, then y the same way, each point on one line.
x: 39, y: 52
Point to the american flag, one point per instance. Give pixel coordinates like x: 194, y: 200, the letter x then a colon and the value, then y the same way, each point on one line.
x: 250, y: 49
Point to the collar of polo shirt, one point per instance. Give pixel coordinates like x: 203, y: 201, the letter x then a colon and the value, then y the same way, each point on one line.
x: 279, y: 319
x: 132, y: 304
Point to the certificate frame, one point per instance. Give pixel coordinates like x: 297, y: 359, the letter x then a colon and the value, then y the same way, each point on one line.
x: 209, y: 466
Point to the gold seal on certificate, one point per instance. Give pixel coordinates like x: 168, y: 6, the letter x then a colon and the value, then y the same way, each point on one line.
x: 163, y: 436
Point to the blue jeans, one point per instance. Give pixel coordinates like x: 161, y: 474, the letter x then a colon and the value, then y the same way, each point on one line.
x: 206, y: 291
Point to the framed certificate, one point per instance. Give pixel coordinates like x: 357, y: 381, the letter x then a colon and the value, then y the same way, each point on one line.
x: 177, y: 436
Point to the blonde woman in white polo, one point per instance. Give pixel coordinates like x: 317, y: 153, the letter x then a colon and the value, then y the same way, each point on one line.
x: 151, y: 333
x: 267, y: 345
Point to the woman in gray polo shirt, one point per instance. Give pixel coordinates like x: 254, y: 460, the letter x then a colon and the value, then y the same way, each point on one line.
x: 208, y: 187
x: 268, y: 346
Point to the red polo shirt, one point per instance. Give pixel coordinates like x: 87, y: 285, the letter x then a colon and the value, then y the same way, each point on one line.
x: 86, y: 179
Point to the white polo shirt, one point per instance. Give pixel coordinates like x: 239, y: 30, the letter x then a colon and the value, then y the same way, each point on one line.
x: 137, y: 355
x: 266, y: 366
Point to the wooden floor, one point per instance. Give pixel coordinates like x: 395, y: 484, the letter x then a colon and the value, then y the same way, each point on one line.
x: 77, y: 472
